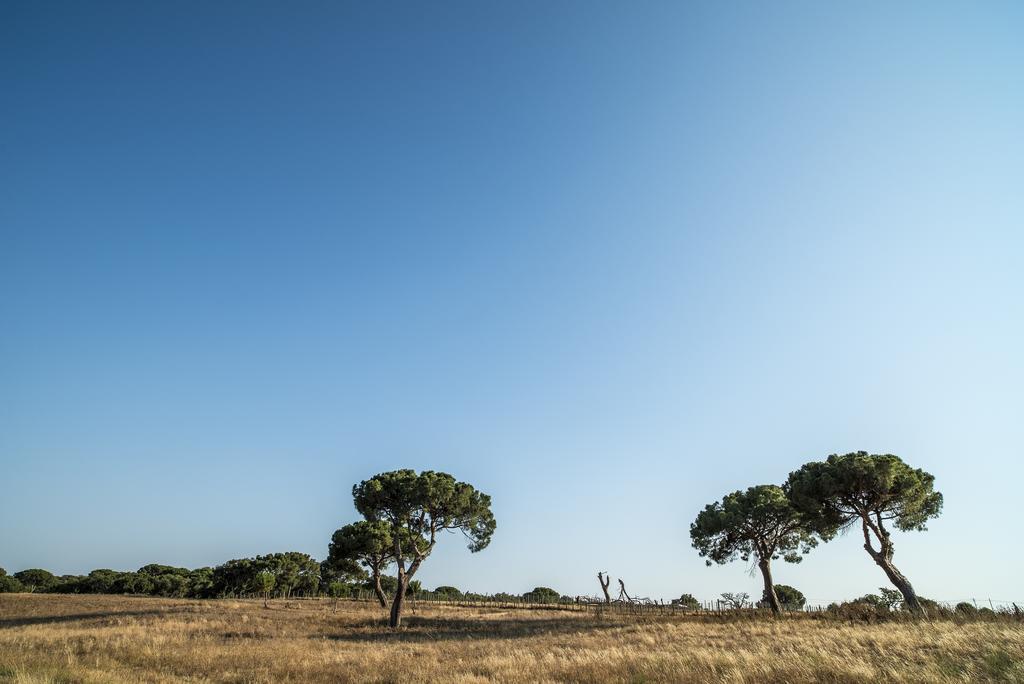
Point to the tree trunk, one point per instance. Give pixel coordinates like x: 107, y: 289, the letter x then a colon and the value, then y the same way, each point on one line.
x: 769, y: 587
x: 379, y: 590
x: 884, y: 561
x: 604, y: 586
x: 396, y: 606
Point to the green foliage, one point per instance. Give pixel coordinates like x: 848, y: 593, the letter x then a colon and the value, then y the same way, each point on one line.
x: 418, y: 507
x: 759, y: 522
x: 347, y: 574
x: 890, y: 598
x: 360, y: 547
x: 790, y: 597
x: 871, y: 600
x: 70, y: 584
x: 294, y: 574
x: 872, y: 490
x: 100, y: 581
x: 843, y: 490
x: 446, y: 590
x: 886, y: 601
x: 9, y: 585
x: 687, y: 602
x: 422, y: 505
x: 200, y: 583
x: 543, y: 595
x: 36, y: 579
x: 263, y: 582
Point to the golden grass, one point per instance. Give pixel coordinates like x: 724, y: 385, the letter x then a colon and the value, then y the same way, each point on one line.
x: 127, y: 639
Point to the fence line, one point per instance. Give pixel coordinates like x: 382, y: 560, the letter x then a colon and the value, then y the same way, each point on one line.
x: 593, y: 605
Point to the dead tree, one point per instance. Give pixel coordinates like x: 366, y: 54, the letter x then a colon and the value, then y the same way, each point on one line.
x: 605, y: 581
x: 622, y: 591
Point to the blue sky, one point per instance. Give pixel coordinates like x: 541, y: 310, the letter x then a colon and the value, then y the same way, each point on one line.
x: 605, y: 261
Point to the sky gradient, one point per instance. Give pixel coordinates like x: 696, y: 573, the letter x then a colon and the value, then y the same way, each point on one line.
x: 605, y: 261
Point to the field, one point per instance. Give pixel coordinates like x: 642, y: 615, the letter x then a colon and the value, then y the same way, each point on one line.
x: 50, y: 638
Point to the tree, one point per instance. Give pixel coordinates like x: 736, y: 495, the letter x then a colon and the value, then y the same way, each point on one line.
x: 200, y: 583
x: 363, y: 544
x: 263, y: 583
x: 418, y: 507
x: 162, y: 580
x: 100, y: 581
x: 233, y: 577
x: 71, y: 584
x: 790, y: 598
x: 336, y: 590
x: 36, y: 579
x: 735, y: 601
x: 760, y: 522
x: 448, y: 591
x: 543, y: 595
x: 872, y: 490
x: 605, y: 579
x: 9, y: 585
x: 294, y: 572
x: 892, y: 599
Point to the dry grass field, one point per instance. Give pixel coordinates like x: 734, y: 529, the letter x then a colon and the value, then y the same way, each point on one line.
x: 124, y: 639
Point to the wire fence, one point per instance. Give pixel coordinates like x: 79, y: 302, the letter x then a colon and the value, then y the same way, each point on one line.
x: 598, y: 606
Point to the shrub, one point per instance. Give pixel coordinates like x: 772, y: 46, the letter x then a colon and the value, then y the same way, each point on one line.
x: 543, y: 595
x: 686, y: 602
x: 9, y: 585
x: 869, y: 608
x: 965, y: 608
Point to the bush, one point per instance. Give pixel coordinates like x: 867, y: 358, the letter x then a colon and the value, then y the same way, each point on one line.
x: 686, y: 602
x: 869, y: 608
x: 449, y: 592
x: 9, y: 585
x: 967, y: 609
x: 542, y: 595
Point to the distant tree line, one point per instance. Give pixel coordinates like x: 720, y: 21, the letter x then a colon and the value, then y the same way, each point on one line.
x: 277, y: 575
x: 280, y: 575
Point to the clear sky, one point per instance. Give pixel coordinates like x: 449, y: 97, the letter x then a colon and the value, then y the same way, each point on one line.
x: 605, y: 261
